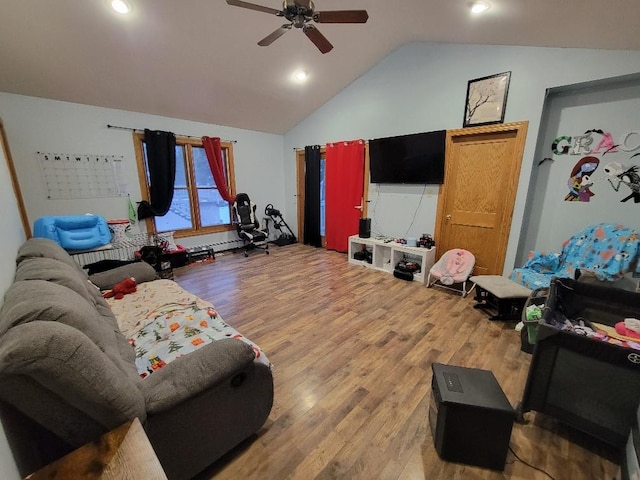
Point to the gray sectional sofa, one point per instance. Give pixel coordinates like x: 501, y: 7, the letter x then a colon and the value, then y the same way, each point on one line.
x: 68, y: 375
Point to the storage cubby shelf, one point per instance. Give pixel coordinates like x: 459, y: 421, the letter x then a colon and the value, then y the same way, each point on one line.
x: 386, y: 255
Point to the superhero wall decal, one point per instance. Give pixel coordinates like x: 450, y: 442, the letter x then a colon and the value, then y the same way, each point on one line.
x: 621, y: 177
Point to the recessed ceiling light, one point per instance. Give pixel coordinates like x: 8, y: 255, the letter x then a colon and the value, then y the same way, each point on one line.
x: 121, y: 6
x: 479, y: 7
x: 300, y: 76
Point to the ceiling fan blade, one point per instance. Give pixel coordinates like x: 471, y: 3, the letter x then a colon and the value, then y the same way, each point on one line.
x: 342, y: 16
x: 317, y: 38
x: 272, y: 37
x: 253, y: 6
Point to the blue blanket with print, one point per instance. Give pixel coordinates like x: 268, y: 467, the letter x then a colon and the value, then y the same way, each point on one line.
x: 608, y: 250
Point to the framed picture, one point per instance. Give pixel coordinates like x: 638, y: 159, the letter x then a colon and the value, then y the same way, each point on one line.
x: 486, y: 100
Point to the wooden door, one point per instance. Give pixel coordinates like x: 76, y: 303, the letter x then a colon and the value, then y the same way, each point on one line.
x: 475, y: 204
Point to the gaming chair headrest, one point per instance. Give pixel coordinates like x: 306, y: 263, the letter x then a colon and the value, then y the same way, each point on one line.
x: 242, y: 199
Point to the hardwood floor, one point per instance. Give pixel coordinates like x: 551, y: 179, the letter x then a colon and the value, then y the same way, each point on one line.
x: 352, y: 350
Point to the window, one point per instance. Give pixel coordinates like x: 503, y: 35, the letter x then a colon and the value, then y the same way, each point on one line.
x: 197, y: 207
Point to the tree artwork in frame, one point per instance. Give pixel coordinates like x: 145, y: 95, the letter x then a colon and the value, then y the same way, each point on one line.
x: 486, y: 100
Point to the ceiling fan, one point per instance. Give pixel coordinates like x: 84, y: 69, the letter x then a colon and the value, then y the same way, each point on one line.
x: 299, y: 13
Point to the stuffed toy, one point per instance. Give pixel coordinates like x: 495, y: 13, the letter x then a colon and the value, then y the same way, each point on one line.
x: 120, y: 289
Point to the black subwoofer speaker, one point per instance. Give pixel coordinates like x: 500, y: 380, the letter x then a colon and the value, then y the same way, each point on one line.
x: 365, y: 228
x: 470, y: 416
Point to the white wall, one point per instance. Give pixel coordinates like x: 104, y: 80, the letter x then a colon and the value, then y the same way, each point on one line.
x: 35, y: 124
x: 39, y: 125
x: 422, y: 87
x: 549, y: 220
x: 12, y: 237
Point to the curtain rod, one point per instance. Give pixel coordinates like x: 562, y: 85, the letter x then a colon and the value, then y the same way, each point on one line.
x: 366, y: 142
x: 302, y: 148
x: 142, y: 130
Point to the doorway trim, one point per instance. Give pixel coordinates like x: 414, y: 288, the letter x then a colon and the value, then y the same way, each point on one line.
x: 14, y: 181
x: 520, y: 129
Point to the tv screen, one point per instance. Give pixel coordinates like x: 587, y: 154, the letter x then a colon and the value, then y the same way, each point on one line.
x: 416, y: 158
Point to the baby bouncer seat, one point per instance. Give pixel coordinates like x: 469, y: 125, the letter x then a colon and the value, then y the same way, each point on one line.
x: 454, y: 267
x: 248, y: 225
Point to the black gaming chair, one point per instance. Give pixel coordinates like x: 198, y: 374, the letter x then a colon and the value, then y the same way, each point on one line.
x: 248, y: 225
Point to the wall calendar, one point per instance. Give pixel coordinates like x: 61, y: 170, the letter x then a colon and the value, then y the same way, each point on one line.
x: 70, y: 176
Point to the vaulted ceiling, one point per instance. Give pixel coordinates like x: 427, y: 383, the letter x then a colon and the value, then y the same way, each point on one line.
x: 199, y: 59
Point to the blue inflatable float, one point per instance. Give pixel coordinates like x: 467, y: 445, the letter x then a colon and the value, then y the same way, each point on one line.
x: 74, y: 232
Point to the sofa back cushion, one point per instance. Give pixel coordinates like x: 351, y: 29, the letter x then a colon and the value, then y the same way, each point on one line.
x: 57, y: 272
x: 43, y: 247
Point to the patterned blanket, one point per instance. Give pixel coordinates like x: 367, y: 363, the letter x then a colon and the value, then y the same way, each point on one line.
x: 164, y: 322
x: 607, y: 250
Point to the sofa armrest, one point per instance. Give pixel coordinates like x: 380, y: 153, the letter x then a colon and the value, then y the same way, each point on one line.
x: 141, y: 271
x: 58, y: 376
x: 194, y: 373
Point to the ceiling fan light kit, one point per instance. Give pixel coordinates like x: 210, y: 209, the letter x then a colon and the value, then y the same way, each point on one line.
x: 300, y: 13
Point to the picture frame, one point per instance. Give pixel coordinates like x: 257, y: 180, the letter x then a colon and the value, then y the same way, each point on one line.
x: 486, y: 100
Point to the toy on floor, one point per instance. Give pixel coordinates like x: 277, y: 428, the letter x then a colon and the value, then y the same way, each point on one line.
x: 120, y: 289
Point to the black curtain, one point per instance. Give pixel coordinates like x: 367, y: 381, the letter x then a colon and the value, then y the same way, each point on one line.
x: 161, y: 162
x: 312, y: 196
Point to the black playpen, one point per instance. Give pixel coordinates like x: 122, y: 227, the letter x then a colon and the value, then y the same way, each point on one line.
x: 587, y: 383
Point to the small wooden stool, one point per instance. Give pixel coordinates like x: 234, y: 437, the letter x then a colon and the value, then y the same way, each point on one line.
x: 500, y: 293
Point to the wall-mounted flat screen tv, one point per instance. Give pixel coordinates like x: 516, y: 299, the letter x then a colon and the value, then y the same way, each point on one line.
x: 417, y: 158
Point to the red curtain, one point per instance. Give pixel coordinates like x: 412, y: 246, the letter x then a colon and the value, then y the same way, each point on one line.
x: 344, y: 171
x: 214, y: 157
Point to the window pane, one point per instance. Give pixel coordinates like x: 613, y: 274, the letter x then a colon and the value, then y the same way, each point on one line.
x: 146, y: 162
x: 179, y: 215
x: 181, y: 177
x: 204, y: 177
x: 213, y: 209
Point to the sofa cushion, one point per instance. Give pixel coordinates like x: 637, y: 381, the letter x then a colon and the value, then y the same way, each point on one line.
x: 39, y: 300
x: 167, y: 323
x: 179, y: 333
x: 43, y: 247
